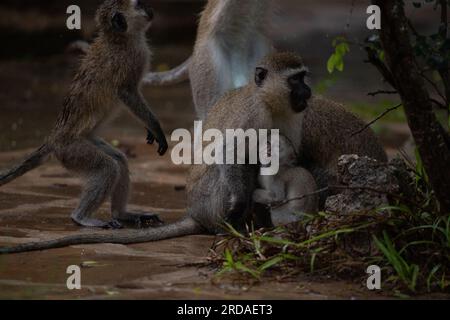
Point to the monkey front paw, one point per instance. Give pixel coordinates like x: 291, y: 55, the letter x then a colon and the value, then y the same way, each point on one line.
x: 262, y: 196
x: 114, y: 224
x: 163, y: 146
x: 161, y: 140
x: 150, y: 137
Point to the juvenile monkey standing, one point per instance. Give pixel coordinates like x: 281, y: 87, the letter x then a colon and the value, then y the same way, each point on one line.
x: 289, y: 193
x: 216, y: 195
x: 110, y: 75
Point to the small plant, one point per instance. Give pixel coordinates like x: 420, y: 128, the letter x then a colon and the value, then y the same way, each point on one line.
x: 336, y: 60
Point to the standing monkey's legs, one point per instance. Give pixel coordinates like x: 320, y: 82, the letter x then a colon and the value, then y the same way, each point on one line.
x: 102, y: 173
x: 121, y: 190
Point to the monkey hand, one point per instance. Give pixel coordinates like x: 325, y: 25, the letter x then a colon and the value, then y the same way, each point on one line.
x: 150, y: 137
x: 160, y: 139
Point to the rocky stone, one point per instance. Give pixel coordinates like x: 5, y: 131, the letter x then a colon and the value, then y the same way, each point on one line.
x: 365, y: 184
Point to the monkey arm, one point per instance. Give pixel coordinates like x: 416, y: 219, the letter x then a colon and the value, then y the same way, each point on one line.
x: 267, y: 197
x: 136, y: 103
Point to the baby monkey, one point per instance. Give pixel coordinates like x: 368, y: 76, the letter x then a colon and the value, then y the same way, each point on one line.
x: 110, y: 75
x: 289, y: 192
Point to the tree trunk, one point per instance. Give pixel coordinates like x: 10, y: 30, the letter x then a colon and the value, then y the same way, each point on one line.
x: 426, y: 130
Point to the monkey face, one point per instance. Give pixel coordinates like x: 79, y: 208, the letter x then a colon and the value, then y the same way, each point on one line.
x: 281, y: 81
x: 300, y: 91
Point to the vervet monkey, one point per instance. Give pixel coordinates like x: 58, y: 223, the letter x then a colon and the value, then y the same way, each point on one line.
x: 290, y: 193
x: 110, y: 75
x: 232, y: 38
x: 217, y: 195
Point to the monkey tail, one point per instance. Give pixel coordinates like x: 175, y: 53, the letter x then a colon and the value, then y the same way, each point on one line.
x: 171, y: 77
x: 34, y: 160
x: 184, y: 227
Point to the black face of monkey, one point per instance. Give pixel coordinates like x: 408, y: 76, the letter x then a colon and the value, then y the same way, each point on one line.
x: 300, y: 91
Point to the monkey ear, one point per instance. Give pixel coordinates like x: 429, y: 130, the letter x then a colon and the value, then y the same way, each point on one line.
x: 119, y: 23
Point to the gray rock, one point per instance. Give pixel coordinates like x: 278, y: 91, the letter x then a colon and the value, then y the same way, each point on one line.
x: 364, y: 184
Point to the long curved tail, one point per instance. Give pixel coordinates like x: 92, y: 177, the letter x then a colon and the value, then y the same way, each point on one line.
x: 34, y: 160
x: 171, y: 77
x: 184, y: 227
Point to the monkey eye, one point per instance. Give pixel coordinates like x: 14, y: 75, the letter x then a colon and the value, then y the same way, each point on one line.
x: 260, y: 76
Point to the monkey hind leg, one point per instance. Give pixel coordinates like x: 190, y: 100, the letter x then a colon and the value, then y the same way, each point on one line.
x: 101, y: 172
x: 121, y: 190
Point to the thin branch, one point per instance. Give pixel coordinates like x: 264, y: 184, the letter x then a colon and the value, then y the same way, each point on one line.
x: 433, y: 84
x: 342, y: 187
x: 439, y: 104
x: 376, y: 119
x: 375, y: 93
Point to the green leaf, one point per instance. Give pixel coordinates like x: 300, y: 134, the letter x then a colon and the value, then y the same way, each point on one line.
x: 272, y: 262
x: 331, y: 63
x: 239, y: 266
x: 340, y: 65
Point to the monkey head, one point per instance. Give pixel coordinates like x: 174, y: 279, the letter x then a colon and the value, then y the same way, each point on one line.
x: 280, y: 82
x: 124, y: 16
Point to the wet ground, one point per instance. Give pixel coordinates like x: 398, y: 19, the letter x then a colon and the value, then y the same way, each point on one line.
x: 37, y: 207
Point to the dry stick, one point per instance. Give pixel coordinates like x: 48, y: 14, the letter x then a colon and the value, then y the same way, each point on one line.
x: 361, y: 188
x: 376, y: 119
x: 373, y: 94
x: 436, y: 102
x: 434, y: 85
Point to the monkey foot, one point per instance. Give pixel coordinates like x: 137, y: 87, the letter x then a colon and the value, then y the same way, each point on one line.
x: 141, y: 220
x: 95, y: 223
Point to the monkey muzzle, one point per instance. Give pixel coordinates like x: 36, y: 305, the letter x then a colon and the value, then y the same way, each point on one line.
x: 300, y: 94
